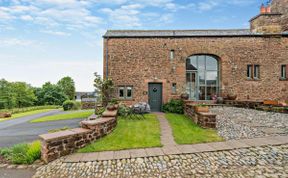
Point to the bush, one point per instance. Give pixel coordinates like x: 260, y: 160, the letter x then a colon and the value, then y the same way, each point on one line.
x: 123, y: 110
x: 71, y: 105
x: 174, y: 106
x: 22, y: 153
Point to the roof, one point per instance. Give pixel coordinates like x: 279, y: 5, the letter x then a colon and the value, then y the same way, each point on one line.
x: 179, y: 33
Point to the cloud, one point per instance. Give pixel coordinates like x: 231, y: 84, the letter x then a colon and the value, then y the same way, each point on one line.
x: 57, y: 33
x: 17, y: 42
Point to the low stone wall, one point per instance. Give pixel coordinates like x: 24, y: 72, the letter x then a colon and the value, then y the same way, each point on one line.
x: 205, y: 120
x: 88, y: 105
x: 55, y: 145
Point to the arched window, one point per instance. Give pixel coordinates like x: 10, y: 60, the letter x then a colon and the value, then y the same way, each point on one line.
x: 202, y: 77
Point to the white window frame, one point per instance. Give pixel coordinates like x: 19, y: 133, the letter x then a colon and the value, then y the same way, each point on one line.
x: 249, y: 71
x: 172, y: 54
x: 125, y: 91
x: 256, y: 71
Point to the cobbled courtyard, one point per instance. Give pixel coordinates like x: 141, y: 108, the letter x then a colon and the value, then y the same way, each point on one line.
x: 269, y: 161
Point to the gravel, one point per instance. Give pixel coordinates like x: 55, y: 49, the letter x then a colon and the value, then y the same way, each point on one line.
x: 239, y: 123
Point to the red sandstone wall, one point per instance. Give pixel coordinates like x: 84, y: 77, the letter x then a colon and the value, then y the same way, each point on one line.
x: 136, y: 61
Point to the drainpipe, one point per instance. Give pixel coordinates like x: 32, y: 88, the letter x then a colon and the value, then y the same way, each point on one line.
x: 107, y: 57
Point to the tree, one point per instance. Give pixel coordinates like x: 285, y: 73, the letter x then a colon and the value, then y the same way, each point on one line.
x: 104, y: 89
x: 23, y: 93
x: 50, y: 94
x: 7, y: 96
x: 68, y: 86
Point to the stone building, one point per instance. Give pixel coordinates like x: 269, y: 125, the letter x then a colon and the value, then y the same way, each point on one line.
x: 157, y: 65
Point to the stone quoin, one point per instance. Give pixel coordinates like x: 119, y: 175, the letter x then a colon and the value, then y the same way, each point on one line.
x: 250, y: 63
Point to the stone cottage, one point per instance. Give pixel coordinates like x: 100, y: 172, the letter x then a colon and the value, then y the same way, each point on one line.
x: 157, y: 65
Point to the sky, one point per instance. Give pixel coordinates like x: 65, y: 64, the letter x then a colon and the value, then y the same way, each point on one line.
x: 45, y: 40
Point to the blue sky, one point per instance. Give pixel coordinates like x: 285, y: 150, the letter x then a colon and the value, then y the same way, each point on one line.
x: 45, y: 40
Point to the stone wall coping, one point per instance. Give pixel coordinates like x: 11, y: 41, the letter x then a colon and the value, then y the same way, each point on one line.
x: 206, y: 114
x: 110, y: 113
x: 63, y: 134
x: 98, y: 121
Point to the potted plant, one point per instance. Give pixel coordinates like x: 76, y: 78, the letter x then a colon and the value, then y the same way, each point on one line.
x: 231, y: 95
x: 201, y: 108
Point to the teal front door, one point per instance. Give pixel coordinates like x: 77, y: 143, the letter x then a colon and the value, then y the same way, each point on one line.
x: 155, y: 96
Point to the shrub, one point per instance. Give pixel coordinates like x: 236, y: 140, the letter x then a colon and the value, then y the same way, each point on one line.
x: 22, y: 153
x: 71, y: 105
x: 174, y: 106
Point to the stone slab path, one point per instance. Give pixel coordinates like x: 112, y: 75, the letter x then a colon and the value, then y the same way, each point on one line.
x: 171, y: 148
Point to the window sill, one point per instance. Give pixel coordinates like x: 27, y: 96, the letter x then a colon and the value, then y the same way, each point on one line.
x: 283, y: 79
x: 253, y: 79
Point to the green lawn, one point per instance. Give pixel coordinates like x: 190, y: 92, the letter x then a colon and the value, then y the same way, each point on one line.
x: 65, y: 116
x: 28, y: 113
x: 129, y: 134
x: 187, y: 132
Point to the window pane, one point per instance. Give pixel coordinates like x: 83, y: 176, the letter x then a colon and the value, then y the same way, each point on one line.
x: 171, y: 54
x: 256, y: 71
x: 249, y: 71
x: 174, y: 88
x: 283, y: 71
x: 202, y: 93
x: 211, y: 78
x: 129, y: 92
x: 201, y: 62
x: 211, y: 63
x: 121, y: 92
x: 201, y: 76
x: 211, y: 91
x: 191, y: 63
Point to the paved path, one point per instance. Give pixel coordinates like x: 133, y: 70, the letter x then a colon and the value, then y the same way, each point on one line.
x: 21, y: 130
x: 167, y: 139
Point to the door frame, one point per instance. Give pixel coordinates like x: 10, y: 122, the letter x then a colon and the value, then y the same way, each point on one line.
x: 161, y: 84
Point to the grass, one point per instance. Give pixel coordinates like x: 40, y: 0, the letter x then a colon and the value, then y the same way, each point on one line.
x: 23, y: 153
x: 59, y: 129
x: 66, y: 116
x: 129, y: 134
x: 187, y: 132
x: 27, y: 113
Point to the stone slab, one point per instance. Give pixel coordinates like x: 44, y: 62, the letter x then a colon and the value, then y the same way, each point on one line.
x: 89, y: 157
x: 74, y: 158
x: 171, y: 150
x: 138, y: 153
x: 235, y: 144
x: 283, y: 139
x: 154, y: 152
x: 108, y: 113
x: 202, y: 147
x: 57, y: 135
x: 273, y: 130
x: 80, y: 130
x: 186, y: 149
x: 106, y: 155
x: 219, y: 146
x: 256, y: 142
x: 123, y: 154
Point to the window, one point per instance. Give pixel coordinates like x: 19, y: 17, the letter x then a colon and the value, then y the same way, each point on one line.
x: 125, y: 92
x: 121, y: 92
x: 202, y: 77
x: 172, y: 54
x: 174, y: 89
x: 249, y: 71
x: 283, y: 71
x: 256, y: 71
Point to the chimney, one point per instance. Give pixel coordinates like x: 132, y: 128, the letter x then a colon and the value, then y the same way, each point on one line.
x: 262, y: 9
x: 268, y: 9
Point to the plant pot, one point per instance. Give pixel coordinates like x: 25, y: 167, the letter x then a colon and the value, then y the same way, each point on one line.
x: 184, y: 96
x: 111, y: 107
x: 201, y: 109
x: 231, y: 97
